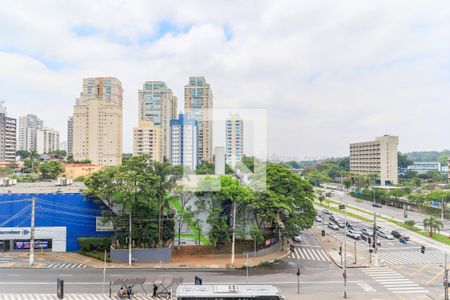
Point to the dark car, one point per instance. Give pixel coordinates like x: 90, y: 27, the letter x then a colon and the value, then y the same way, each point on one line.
x: 398, y: 234
x: 332, y: 218
x: 377, y: 205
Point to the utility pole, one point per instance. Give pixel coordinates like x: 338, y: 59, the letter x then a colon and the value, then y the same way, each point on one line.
x: 33, y: 219
x: 323, y: 222
x: 246, y: 267
x: 233, y: 242
x: 104, y: 273
x: 356, y: 261
x: 445, y: 278
x: 129, y: 242
x: 375, y: 238
x: 345, y: 251
x: 442, y: 208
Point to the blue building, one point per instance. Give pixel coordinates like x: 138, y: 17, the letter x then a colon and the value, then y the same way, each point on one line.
x: 60, y: 219
x: 184, y: 136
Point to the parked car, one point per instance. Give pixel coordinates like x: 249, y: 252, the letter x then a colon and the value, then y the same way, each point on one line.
x: 318, y: 219
x: 333, y: 226
x: 327, y: 212
x: 385, y: 235
x: 367, y: 232
x: 333, y: 218
x: 349, y: 225
x: 340, y: 223
x: 297, y: 238
x: 377, y: 205
x: 328, y: 195
x: 351, y: 233
x: 398, y: 234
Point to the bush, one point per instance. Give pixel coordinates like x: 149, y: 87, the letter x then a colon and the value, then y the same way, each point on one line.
x: 410, y: 223
x: 89, y: 244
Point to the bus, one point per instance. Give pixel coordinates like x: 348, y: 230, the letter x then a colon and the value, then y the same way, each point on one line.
x: 227, y: 292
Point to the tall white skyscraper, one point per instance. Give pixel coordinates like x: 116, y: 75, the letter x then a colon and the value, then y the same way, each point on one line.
x: 70, y: 136
x: 198, y: 106
x: 184, y: 142
x: 158, y: 104
x: 28, y: 126
x: 97, y: 122
x: 47, y: 140
x: 234, y: 139
x: 7, y: 136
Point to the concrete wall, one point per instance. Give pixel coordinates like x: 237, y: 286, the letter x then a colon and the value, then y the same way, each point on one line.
x: 142, y: 255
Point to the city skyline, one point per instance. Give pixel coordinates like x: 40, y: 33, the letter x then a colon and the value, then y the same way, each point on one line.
x: 335, y: 96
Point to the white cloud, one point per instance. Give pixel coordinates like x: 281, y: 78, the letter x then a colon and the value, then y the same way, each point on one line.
x: 329, y: 73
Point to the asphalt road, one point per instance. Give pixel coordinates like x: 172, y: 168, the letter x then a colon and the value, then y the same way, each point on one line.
x: 385, y: 210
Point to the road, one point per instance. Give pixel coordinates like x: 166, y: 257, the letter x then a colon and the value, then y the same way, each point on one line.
x: 389, y: 211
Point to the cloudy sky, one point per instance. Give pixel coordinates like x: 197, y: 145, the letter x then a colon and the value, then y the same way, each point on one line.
x: 328, y: 72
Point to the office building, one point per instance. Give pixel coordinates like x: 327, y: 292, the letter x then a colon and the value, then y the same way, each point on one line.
x: 70, y: 136
x: 97, y: 122
x: 147, y: 139
x: 158, y: 104
x: 47, y: 140
x: 198, y: 106
x: 7, y: 136
x: 424, y: 167
x: 234, y: 139
x: 184, y: 142
x: 377, y: 157
x: 28, y: 126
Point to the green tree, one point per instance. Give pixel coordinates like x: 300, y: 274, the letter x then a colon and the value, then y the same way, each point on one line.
x: 433, y: 225
x: 219, y: 233
x: 130, y: 190
x: 167, y: 178
x: 403, y: 160
x: 288, y: 199
x: 23, y: 154
x: 58, y: 154
x: 257, y: 236
x: 51, y: 169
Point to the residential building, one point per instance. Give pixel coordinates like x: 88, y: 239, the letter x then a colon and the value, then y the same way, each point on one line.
x: 7, y: 136
x: 378, y: 157
x: 147, y: 139
x: 198, y: 106
x: 234, y: 139
x: 184, y: 142
x: 28, y: 126
x: 70, y: 136
x: 424, y: 167
x: 158, y: 104
x: 97, y: 122
x: 47, y: 140
x: 219, y: 160
x: 74, y: 171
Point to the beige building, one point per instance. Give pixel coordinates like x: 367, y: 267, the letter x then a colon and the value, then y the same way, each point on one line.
x: 378, y: 157
x: 198, y: 106
x: 158, y: 104
x: 97, y: 122
x: 47, y: 140
x: 234, y: 133
x: 147, y: 139
x: 73, y: 171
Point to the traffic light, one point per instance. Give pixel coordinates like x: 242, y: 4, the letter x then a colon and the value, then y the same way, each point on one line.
x: 340, y: 250
x: 323, y: 232
x: 422, y: 249
x: 370, y: 250
x: 369, y: 240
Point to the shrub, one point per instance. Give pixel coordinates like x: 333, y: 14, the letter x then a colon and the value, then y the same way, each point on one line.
x: 410, y: 223
x: 88, y: 244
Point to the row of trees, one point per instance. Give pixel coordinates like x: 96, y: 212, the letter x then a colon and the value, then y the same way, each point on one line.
x: 142, y: 189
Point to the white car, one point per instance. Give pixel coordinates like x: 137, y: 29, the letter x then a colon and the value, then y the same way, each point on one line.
x: 354, y: 235
x: 318, y: 219
x: 333, y: 226
x: 385, y: 235
x: 297, y: 239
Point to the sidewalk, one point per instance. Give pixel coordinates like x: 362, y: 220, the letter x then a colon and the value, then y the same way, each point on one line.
x: 178, y: 262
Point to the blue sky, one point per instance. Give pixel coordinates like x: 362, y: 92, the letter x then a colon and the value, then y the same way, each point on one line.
x: 328, y: 73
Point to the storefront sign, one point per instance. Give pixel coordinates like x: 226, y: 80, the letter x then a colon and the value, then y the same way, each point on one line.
x: 14, y: 233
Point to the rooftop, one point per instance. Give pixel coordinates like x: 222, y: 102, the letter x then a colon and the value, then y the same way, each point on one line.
x: 42, y: 188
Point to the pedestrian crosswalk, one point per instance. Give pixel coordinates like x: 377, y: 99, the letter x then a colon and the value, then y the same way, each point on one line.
x: 66, y: 266
x: 393, y: 281
x: 411, y: 256
x: 66, y: 297
x: 304, y: 253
